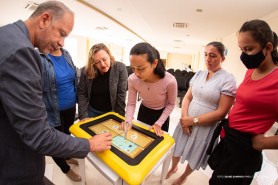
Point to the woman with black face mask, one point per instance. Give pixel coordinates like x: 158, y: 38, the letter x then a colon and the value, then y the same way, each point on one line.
x: 238, y: 155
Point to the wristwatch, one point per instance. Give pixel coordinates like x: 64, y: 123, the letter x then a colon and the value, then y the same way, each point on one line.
x: 195, y: 120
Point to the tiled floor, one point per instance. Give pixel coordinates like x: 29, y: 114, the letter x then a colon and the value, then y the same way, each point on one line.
x: 267, y: 176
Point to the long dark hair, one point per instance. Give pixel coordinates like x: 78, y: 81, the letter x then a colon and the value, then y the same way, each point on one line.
x: 262, y: 33
x: 152, y: 54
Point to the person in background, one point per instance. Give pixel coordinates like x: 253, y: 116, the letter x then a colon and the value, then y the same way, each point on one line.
x: 102, y: 85
x: 207, y: 101
x: 156, y: 87
x: 25, y: 134
x: 188, y: 69
x: 59, y: 96
x: 238, y: 155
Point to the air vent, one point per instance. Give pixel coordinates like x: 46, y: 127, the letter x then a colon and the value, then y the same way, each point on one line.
x: 101, y: 28
x: 180, y: 25
x: 31, y: 6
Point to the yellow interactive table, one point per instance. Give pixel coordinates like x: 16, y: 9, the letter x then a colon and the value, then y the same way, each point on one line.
x: 132, y: 159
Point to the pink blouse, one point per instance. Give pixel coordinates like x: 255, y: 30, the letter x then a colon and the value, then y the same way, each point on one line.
x: 158, y: 95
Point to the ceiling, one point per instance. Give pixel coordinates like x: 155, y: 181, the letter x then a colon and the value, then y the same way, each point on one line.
x: 132, y: 21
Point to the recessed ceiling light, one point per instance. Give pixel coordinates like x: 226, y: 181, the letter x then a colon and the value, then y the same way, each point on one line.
x: 101, y: 28
x: 177, y: 40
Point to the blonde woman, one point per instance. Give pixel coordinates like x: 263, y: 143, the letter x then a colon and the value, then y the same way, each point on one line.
x: 103, y: 83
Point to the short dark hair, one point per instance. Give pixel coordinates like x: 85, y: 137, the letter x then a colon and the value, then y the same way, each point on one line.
x: 219, y: 46
x: 152, y: 54
x: 55, y: 8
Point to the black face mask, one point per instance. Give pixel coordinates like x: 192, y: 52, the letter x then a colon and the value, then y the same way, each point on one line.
x: 252, y: 61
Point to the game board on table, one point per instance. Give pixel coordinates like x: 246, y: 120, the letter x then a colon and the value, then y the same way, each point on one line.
x: 131, y: 158
x: 134, y: 143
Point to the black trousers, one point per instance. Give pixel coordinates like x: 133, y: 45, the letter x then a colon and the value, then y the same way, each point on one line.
x: 150, y: 116
x: 233, y: 160
x: 67, y: 119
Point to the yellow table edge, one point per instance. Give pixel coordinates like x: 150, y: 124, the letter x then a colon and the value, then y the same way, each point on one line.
x: 130, y: 174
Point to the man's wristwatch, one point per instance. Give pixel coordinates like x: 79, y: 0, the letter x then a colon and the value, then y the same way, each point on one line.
x: 195, y: 120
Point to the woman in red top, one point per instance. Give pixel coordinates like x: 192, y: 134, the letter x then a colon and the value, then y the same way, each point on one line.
x: 239, y: 154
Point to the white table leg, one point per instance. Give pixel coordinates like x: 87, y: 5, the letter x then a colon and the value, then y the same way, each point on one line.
x: 106, y: 171
x: 81, y: 163
x: 119, y: 181
x: 165, y: 167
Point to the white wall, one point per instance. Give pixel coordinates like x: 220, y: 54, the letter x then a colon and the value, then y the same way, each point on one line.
x: 178, y: 61
x: 163, y: 54
x: 77, y: 47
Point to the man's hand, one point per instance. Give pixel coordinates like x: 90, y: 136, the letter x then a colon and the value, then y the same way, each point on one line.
x: 100, y: 142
